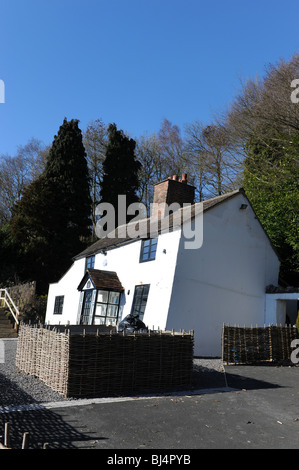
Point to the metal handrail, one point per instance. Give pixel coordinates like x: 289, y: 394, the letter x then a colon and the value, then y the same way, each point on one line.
x: 4, y: 295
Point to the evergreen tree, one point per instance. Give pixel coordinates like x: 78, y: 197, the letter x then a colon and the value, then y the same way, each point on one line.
x: 120, y: 171
x: 271, y: 181
x: 8, y: 258
x: 29, y: 234
x: 66, y: 182
x: 51, y: 222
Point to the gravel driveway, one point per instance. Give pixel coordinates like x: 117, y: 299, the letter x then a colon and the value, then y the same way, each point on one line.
x: 18, y: 388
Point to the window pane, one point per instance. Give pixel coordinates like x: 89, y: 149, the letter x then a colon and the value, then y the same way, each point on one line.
x: 114, y: 297
x: 145, y: 290
x: 111, y: 321
x: 89, y: 262
x: 112, y: 310
x: 99, y: 320
x: 103, y: 296
x: 101, y: 309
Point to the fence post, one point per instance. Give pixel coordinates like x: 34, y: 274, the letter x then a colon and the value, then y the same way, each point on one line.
x: 7, y: 435
x: 270, y: 344
x: 25, y: 440
x: 245, y: 345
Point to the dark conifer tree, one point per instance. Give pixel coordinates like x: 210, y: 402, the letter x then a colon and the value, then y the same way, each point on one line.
x: 51, y: 222
x: 66, y: 183
x: 120, y: 171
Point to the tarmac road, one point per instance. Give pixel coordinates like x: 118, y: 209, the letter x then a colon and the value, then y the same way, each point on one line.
x: 247, y: 407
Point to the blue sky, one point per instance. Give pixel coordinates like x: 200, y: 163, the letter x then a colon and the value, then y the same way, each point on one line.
x: 132, y: 62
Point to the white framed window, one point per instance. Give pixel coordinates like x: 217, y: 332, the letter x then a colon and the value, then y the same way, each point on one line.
x: 148, y: 249
x: 89, y: 262
x: 140, y: 300
x: 58, y: 306
x: 107, y: 308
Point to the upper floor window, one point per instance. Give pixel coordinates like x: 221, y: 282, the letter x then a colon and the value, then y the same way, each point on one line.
x: 148, y: 249
x: 89, y: 262
x: 58, y: 304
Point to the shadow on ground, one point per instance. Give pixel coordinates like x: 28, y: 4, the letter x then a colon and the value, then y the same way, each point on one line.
x: 11, y: 393
x: 44, y: 426
x: 237, y: 377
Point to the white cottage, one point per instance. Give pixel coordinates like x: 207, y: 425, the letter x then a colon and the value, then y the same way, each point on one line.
x: 171, y: 280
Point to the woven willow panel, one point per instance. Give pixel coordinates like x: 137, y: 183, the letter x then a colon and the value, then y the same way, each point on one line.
x: 44, y: 354
x: 244, y: 345
x: 94, y: 364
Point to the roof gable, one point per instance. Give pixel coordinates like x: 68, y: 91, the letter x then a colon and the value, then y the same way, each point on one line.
x: 101, y: 280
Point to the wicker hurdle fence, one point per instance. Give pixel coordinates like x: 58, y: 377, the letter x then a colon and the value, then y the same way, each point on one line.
x: 90, y: 364
x: 44, y: 353
x: 252, y: 345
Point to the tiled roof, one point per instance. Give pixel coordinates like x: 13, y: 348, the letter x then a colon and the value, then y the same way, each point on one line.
x: 148, y: 226
x: 107, y: 280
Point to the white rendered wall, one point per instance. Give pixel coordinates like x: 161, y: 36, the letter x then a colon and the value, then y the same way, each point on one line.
x: 158, y: 273
x: 225, y: 280
x: 67, y: 286
x: 124, y: 261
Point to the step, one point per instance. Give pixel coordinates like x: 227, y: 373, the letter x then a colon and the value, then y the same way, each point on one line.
x: 5, y: 321
x: 6, y: 330
x: 4, y: 313
x: 6, y: 326
x: 8, y: 334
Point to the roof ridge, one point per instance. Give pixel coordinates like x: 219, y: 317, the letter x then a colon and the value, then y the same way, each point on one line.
x: 109, y: 241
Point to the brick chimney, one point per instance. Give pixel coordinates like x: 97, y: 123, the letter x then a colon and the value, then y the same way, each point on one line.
x: 172, y: 190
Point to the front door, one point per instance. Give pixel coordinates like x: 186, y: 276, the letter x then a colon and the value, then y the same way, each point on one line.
x: 86, y: 313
